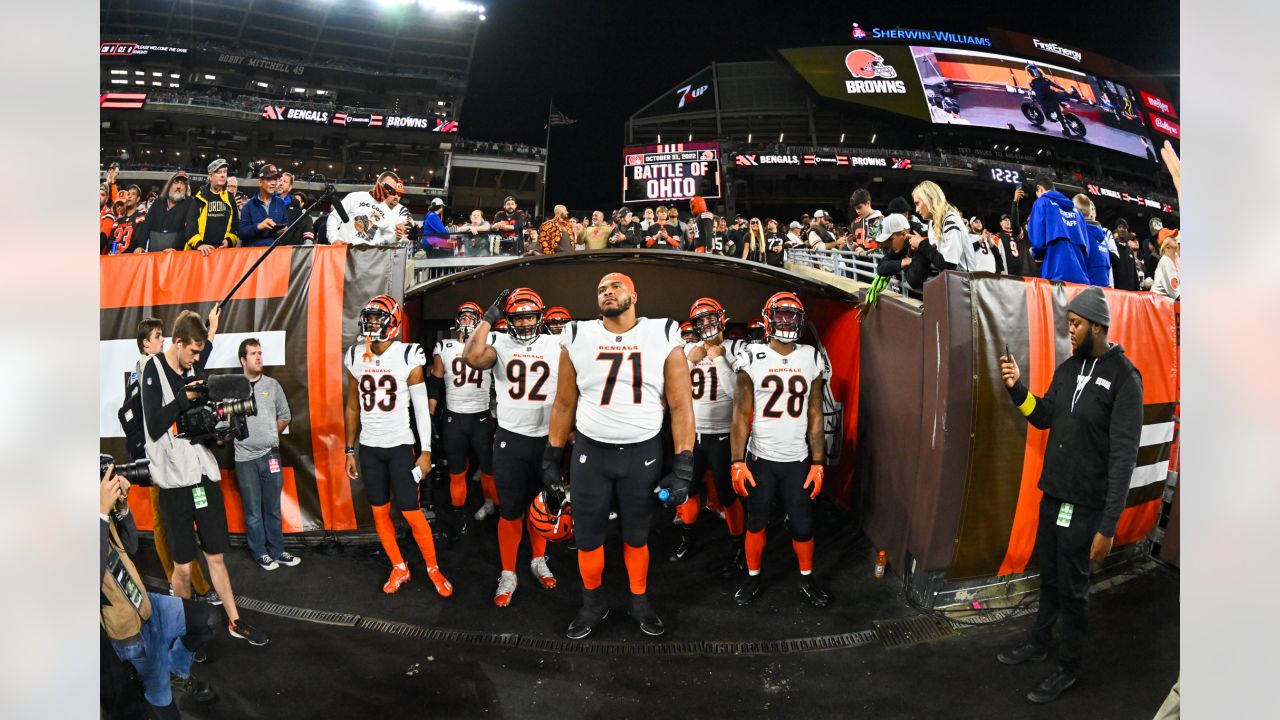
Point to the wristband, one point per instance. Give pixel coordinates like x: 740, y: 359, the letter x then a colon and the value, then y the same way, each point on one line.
x: 351, y: 450
x: 735, y: 462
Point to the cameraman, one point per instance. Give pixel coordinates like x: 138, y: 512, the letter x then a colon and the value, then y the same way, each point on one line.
x: 258, y: 463
x: 186, y: 472
x: 142, y: 627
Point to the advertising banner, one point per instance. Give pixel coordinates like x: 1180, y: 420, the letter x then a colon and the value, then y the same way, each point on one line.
x: 658, y: 173
x: 302, y: 305
x: 697, y: 94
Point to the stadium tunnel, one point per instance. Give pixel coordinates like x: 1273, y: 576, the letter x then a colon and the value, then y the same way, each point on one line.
x: 667, y: 283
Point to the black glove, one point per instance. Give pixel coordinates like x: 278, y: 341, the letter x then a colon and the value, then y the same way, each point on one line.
x: 551, y: 479
x: 679, y: 480
x: 496, y: 310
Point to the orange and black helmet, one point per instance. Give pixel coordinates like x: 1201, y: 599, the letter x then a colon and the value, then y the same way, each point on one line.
x: 757, y: 331
x: 553, y: 525
x: 783, y: 315
x: 555, y: 318
x: 708, y: 317
x: 386, y: 312
x: 467, y: 318
x: 501, y: 326
x: 687, y: 333
x: 522, y: 303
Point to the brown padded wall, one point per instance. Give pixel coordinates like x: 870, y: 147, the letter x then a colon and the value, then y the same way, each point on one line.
x: 888, y: 420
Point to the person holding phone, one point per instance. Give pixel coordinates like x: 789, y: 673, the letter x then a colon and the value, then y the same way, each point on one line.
x: 1093, y: 412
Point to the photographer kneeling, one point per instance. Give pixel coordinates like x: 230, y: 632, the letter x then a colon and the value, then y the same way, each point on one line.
x: 174, y: 397
x: 158, y: 634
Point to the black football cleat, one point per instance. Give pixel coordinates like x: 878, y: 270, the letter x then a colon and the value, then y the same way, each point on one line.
x: 737, y: 564
x: 747, y: 590
x: 642, y: 612
x: 593, y: 612
x: 816, y: 596
x: 681, y: 550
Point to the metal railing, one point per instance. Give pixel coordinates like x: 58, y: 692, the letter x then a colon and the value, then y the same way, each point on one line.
x: 844, y: 263
x: 425, y: 270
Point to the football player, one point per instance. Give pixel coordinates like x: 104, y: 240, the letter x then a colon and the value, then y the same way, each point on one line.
x: 756, y: 332
x: 687, y: 333
x: 467, y: 423
x: 555, y: 318
x: 527, y: 363
x: 778, y: 402
x: 614, y: 375
x: 711, y: 360
x: 386, y: 376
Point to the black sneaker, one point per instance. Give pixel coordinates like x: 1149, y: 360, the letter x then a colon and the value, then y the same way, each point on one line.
x: 199, y: 690
x: 747, y: 590
x: 816, y: 596
x: 1026, y: 652
x: 1051, y: 687
x: 210, y: 597
x: 682, y: 548
x: 200, y: 655
x: 266, y: 563
x: 642, y: 612
x: 245, y: 631
x: 592, y: 613
x: 288, y: 560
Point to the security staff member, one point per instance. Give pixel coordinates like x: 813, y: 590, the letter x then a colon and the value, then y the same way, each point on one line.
x: 1093, y: 411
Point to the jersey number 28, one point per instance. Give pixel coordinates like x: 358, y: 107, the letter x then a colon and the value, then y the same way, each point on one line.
x: 797, y: 388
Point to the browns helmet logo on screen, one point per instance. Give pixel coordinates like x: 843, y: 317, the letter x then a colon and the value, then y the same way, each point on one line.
x: 867, y: 66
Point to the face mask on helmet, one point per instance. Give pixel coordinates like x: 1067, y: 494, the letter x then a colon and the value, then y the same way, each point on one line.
x: 519, y: 327
x: 708, y: 324
x: 785, y: 323
x: 756, y: 332
x: 466, y: 321
x: 375, y: 324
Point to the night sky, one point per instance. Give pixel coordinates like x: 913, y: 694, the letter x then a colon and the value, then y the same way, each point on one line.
x: 603, y: 61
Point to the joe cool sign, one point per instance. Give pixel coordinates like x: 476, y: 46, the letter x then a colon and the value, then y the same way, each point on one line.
x: 654, y: 173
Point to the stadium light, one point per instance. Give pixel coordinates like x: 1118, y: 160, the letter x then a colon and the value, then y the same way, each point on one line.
x: 690, y: 137
x: 748, y: 137
x: 780, y: 136
x: 873, y: 138
x: 119, y: 81
x: 841, y: 139
x: 119, y: 72
x: 173, y: 75
x: 210, y: 77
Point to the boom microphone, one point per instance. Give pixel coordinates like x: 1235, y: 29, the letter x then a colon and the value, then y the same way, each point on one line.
x: 337, y: 207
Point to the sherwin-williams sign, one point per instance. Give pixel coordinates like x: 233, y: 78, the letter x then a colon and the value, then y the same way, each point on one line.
x: 881, y: 77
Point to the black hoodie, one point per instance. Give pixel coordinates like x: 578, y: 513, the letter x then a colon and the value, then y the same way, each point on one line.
x: 1093, y: 412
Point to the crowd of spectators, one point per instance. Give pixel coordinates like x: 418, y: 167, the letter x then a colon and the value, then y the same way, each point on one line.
x: 909, y: 241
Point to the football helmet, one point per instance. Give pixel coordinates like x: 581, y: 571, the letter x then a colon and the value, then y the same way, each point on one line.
x: 554, y: 526
x: 522, y: 303
x: 555, y: 318
x: 467, y: 318
x: 783, y: 315
x: 380, y: 319
x: 708, y: 317
x: 756, y: 331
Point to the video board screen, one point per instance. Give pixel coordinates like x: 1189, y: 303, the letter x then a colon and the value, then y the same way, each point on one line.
x: 968, y: 87
x: 678, y: 171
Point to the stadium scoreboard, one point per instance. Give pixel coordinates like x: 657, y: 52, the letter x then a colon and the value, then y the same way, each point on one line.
x: 658, y: 173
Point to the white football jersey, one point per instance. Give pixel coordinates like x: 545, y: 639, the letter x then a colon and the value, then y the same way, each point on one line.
x: 466, y: 390
x: 712, y: 383
x: 526, y: 376
x: 782, y: 384
x: 620, y: 377
x: 383, y: 386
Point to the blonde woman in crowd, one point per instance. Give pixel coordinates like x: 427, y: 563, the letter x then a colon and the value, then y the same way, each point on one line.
x: 946, y: 226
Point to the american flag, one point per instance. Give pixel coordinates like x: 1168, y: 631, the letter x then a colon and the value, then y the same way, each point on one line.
x: 558, y: 118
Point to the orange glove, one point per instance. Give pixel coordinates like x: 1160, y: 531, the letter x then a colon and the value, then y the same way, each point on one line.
x: 741, y: 476
x: 815, y: 479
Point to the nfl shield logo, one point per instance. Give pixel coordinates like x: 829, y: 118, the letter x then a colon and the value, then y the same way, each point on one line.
x: 582, y: 459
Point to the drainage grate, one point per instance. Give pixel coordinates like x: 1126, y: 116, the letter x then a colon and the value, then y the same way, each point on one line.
x: 711, y: 647
x: 913, y: 630
x: 297, y: 613
x: 469, y: 637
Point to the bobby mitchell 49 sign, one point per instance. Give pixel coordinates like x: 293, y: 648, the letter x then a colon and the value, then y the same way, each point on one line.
x: 656, y: 173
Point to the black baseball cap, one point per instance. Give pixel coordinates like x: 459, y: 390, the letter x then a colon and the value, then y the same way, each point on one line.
x: 623, y: 211
x: 1122, y: 223
x: 1004, y: 216
x: 267, y: 172
x: 114, y: 165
